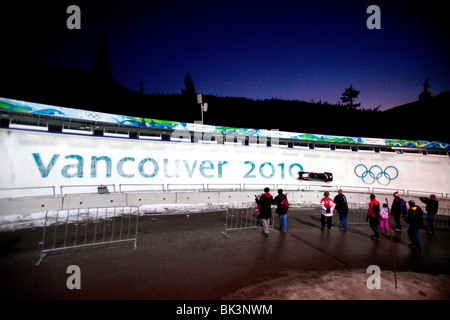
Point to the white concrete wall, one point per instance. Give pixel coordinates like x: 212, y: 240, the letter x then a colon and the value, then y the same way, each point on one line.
x: 94, y: 200
x: 27, y: 206
x: 63, y: 162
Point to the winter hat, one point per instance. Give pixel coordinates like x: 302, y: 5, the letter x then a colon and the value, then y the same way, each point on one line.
x: 396, y: 194
x: 340, y: 191
x: 412, y: 202
x: 432, y: 196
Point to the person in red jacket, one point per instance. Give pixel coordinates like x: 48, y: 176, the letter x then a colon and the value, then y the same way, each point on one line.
x: 265, y: 209
x: 327, y: 206
x: 373, y: 215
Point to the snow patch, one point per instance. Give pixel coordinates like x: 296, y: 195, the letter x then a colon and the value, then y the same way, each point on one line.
x: 347, y: 285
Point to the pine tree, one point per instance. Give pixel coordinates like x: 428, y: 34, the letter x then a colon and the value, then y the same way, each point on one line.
x: 349, y: 96
x: 101, y: 64
x: 425, y: 95
x: 189, y: 87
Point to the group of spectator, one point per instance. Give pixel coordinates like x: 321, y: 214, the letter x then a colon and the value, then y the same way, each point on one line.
x: 377, y: 215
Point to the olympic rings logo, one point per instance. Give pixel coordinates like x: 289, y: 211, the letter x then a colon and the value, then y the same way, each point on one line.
x: 93, y: 115
x: 375, y: 173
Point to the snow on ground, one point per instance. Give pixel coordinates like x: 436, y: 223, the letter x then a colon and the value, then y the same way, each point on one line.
x: 16, y: 222
x: 347, y: 285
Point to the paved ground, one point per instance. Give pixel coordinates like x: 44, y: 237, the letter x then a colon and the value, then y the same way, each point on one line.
x: 180, y: 257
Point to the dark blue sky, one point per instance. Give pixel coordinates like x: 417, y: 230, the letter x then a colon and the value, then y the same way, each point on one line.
x: 305, y: 50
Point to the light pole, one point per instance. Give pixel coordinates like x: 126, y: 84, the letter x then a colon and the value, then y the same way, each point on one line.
x: 203, y: 106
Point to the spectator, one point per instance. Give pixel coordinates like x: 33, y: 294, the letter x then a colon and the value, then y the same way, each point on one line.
x: 415, y: 220
x: 398, y: 209
x: 431, y: 209
x: 327, y: 205
x: 384, y: 217
x: 281, y: 210
x: 341, y: 206
x: 265, y: 210
x: 373, y: 216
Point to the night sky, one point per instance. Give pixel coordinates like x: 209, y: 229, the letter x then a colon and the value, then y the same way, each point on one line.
x: 294, y: 50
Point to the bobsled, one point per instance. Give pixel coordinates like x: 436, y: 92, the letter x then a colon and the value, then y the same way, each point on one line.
x: 314, y: 176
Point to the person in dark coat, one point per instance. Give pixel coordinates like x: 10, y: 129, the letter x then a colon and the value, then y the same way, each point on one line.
x: 431, y: 209
x: 415, y: 220
x: 265, y: 210
x: 396, y: 211
x: 282, y: 217
x: 341, y: 206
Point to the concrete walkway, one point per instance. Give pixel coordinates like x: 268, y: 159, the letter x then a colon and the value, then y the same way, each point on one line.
x: 186, y: 257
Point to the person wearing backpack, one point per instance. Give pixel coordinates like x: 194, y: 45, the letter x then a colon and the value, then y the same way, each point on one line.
x: 373, y: 215
x: 398, y: 209
x: 327, y: 205
x: 265, y: 211
x: 415, y: 220
x: 282, y: 208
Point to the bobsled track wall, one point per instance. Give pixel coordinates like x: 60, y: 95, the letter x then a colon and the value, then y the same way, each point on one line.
x: 43, y: 170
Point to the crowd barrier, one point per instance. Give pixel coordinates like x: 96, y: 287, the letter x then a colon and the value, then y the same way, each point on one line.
x: 357, y: 213
x: 67, y: 229
x: 240, y: 216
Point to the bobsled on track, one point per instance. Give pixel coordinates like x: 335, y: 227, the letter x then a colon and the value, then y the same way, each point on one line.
x: 313, y: 176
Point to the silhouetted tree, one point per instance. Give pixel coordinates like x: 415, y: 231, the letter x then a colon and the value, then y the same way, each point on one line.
x: 425, y: 95
x: 101, y: 63
x: 141, y: 87
x: 349, y: 96
x: 189, y: 87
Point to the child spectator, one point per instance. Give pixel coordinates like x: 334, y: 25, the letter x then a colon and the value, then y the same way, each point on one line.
x: 384, y: 217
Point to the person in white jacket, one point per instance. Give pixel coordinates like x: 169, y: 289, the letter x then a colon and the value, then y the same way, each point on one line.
x: 327, y: 205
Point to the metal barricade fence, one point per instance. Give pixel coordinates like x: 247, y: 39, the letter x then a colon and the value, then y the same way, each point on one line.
x: 244, y: 216
x: 83, y: 227
x: 357, y: 213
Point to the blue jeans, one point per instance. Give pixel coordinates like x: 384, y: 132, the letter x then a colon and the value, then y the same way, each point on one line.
x: 430, y: 221
x: 343, y: 219
x: 413, y: 234
x: 282, y: 218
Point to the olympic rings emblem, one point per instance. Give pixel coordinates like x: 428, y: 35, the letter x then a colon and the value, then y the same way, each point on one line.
x: 375, y: 173
x: 93, y: 115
